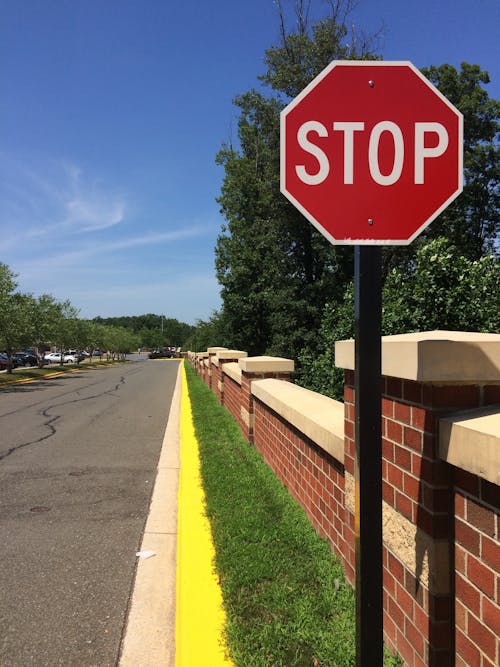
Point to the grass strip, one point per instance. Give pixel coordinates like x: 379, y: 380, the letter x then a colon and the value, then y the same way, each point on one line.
x: 286, y: 598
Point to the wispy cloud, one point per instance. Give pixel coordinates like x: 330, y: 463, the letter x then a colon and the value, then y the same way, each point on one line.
x: 58, y: 197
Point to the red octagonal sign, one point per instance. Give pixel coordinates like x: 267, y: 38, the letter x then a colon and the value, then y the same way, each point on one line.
x: 371, y: 152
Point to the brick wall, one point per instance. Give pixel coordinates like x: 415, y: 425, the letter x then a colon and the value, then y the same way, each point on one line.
x: 232, y: 398
x: 313, y: 477
x: 477, y: 570
x: 441, y: 554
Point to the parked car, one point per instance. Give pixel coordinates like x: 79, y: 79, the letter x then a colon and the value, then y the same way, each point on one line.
x: 161, y: 353
x: 55, y: 358
x: 25, y: 359
x: 4, y: 362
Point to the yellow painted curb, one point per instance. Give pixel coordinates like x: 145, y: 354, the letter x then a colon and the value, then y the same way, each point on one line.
x: 200, y: 617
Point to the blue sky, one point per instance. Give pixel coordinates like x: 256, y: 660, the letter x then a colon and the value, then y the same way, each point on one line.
x: 111, y: 115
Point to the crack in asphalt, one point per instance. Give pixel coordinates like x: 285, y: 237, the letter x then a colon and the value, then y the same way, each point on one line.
x: 20, y: 388
x: 53, y: 419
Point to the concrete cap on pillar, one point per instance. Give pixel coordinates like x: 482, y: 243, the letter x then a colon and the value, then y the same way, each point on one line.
x: 434, y: 356
x: 266, y: 365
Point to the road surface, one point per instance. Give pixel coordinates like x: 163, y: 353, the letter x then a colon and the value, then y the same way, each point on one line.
x: 78, y: 457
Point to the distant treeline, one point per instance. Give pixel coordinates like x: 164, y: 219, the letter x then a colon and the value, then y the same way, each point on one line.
x: 152, y: 330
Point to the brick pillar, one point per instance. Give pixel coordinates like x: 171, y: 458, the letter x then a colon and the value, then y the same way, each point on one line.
x: 212, y: 351
x: 425, y: 376
x: 257, y: 368
x: 202, y: 365
x: 223, y: 356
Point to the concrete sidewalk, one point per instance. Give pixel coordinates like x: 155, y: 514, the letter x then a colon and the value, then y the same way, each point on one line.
x: 149, y: 639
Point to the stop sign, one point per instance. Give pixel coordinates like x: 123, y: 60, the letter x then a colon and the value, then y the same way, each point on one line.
x: 371, y: 152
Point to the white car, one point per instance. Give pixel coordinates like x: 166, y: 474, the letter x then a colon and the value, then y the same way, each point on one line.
x: 55, y: 358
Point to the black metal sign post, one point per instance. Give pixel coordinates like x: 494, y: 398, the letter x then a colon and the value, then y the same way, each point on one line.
x: 368, y: 456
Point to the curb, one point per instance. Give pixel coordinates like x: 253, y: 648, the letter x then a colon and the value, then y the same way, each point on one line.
x: 201, y: 618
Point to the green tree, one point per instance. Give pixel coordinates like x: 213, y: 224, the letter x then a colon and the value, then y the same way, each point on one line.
x: 472, y: 221
x: 207, y: 333
x: 16, y: 328
x: 276, y: 271
x: 443, y: 290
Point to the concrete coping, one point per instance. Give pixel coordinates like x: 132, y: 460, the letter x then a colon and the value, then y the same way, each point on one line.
x: 233, y: 371
x: 266, y: 365
x: 227, y: 354
x: 434, y: 356
x: 318, y: 417
x: 471, y: 440
x: 214, y: 350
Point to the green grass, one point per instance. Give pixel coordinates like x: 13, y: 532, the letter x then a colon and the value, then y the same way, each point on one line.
x: 285, y: 595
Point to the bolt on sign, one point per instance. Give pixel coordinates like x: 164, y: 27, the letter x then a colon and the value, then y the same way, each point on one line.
x: 371, y: 152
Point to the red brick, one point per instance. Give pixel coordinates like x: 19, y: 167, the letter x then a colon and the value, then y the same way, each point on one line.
x: 394, y: 431
x: 460, y: 616
x: 404, y: 505
x: 395, y: 476
x: 415, y: 637
x: 481, y: 636
x: 480, y: 517
x: 412, y: 439
x: 387, y: 407
x: 422, y: 419
x: 481, y: 576
x: 402, y: 413
x: 469, y: 595
x: 411, y: 486
x: 395, y: 566
x: 395, y: 612
x: 488, y: 663
x: 460, y: 559
x: 490, y: 552
x: 402, y: 457
x: 388, y: 493
x: 491, y: 615
x: 387, y: 450
x: 459, y: 506
x: 466, y: 650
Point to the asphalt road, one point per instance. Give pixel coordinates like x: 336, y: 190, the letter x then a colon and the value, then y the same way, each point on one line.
x: 78, y: 457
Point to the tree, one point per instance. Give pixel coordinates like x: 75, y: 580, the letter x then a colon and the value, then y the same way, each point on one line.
x: 16, y: 329
x: 445, y: 290
x: 472, y: 221
x: 276, y: 271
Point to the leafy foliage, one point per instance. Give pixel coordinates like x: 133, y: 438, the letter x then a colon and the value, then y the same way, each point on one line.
x: 276, y: 271
x: 443, y: 290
